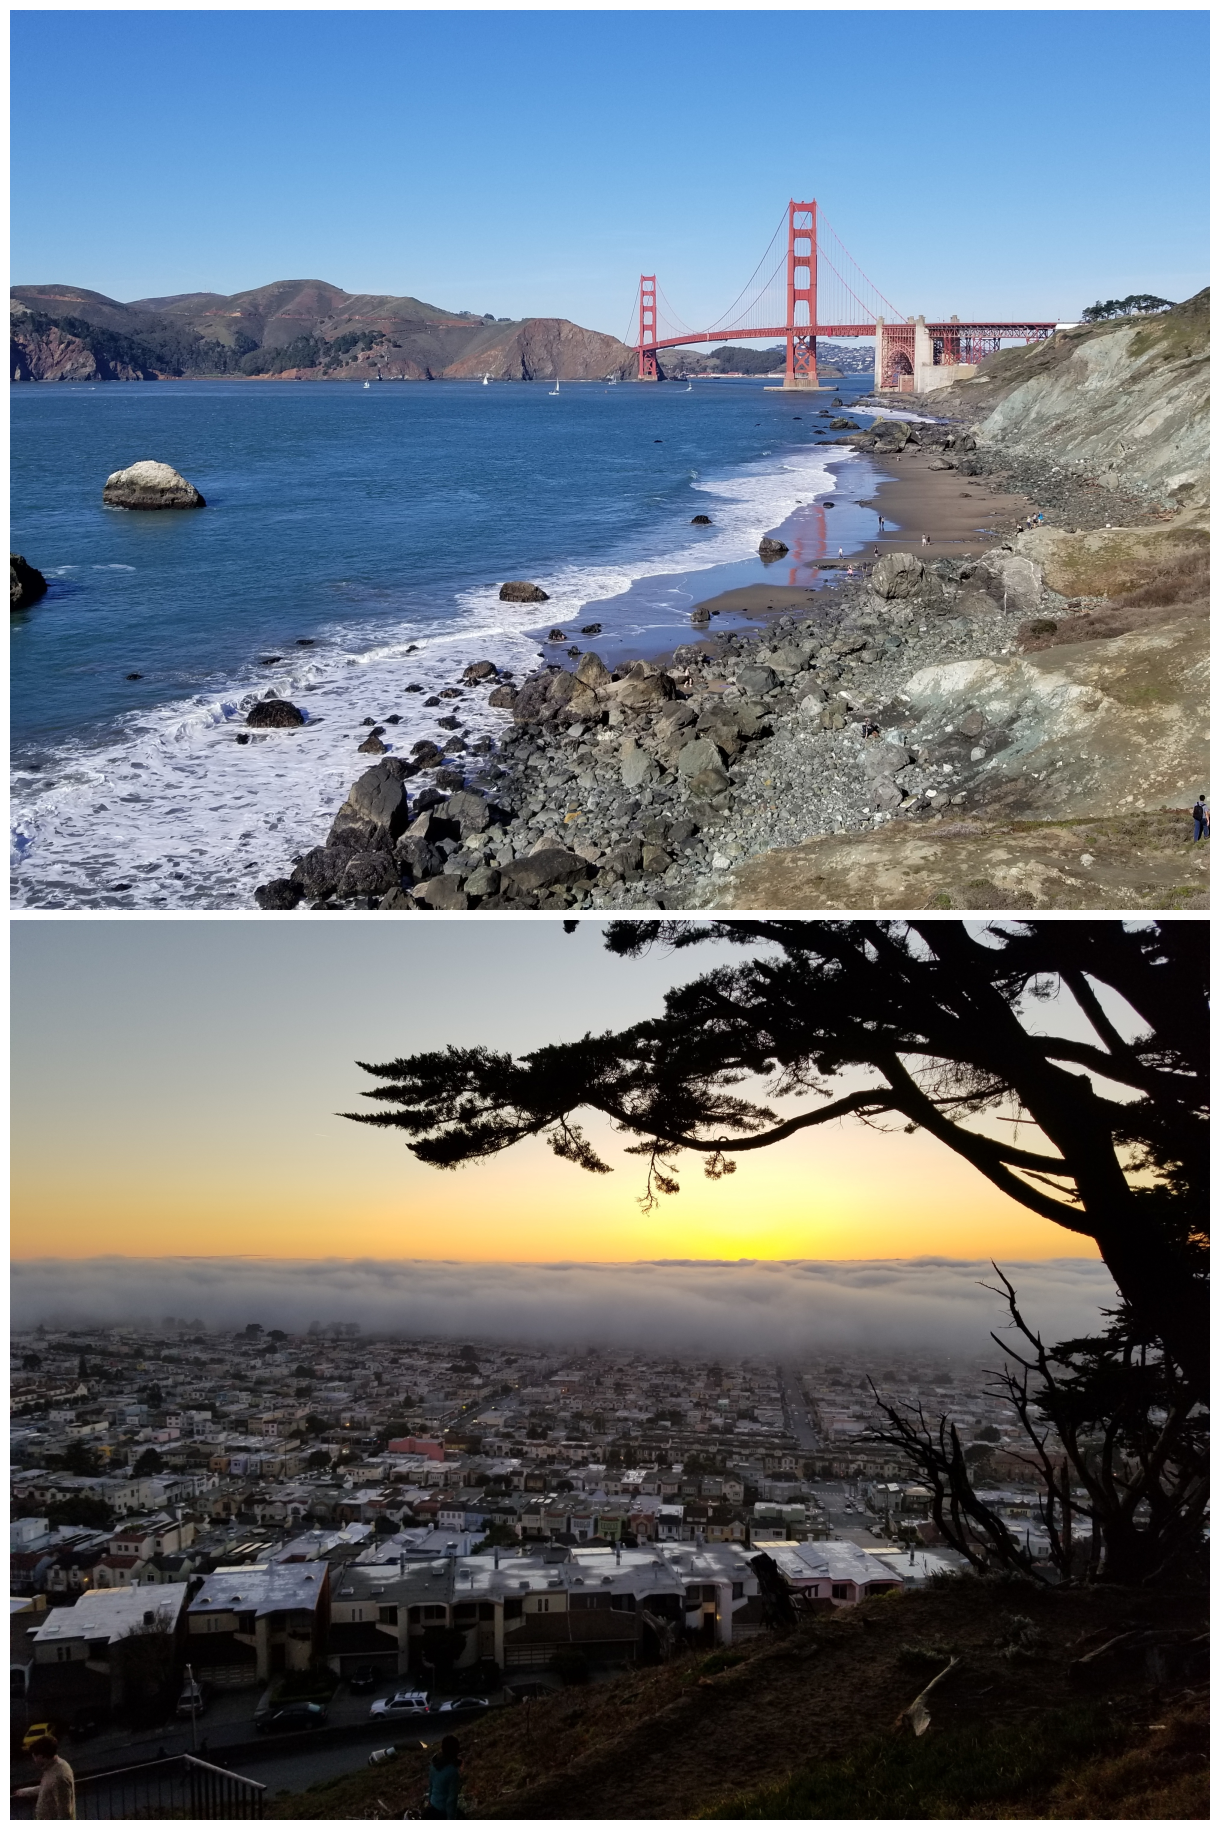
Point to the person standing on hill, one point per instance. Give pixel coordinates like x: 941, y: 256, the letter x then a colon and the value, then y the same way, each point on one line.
x: 444, y: 1780
x: 1201, y: 818
x: 56, y: 1788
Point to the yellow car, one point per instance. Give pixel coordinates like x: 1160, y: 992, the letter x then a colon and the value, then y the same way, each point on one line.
x: 36, y: 1731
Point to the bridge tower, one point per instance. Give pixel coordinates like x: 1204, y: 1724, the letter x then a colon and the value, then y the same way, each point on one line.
x: 648, y: 328
x: 801, y: 368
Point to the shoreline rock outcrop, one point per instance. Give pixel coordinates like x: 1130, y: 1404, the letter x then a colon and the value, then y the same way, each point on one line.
x: 26, y: 583
x: 149, y: 484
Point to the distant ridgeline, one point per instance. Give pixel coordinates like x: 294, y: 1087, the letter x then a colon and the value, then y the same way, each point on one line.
x: 733, y: 359
x: 300, y: 329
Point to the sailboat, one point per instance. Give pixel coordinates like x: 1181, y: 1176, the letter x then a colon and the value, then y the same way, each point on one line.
x: 486, y: 379
x: 366, y: 384
x: 554, y: 390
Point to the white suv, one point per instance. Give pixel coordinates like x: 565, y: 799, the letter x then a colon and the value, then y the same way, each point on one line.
x: 402, y: 1703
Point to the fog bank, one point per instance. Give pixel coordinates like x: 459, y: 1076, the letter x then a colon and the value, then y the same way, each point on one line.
x: 740, y: 1307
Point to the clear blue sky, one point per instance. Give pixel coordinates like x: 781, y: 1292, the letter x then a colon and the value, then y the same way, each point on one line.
x: 534, y: 163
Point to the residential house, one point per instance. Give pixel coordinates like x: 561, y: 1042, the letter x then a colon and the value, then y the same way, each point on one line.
x: 251, y: 1621
x: 110, y: 1648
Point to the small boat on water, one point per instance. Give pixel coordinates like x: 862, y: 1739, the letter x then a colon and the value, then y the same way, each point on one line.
x: 486, y: 379
x: 366, y: 384
x: 554, y: 390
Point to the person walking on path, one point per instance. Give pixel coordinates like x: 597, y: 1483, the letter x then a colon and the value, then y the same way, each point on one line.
x: 56, y: 1789
x: 445, y: 1780
x: 1201, y: 818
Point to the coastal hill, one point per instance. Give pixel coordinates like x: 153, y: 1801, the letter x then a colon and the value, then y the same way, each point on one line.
x: 1111, y: 681
x: 807, y: 1723
x: 295, y: 329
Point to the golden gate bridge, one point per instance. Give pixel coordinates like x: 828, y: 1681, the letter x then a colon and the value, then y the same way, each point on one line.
x: 808, y: 286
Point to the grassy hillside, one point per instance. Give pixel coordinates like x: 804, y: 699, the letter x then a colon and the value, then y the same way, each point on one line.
x: 807, y: 1724
x: 294, y: 328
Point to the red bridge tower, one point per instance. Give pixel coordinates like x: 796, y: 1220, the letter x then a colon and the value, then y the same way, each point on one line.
x: 801, y: 368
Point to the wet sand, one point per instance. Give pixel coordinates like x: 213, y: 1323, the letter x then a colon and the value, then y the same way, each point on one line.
x: 914, y: 500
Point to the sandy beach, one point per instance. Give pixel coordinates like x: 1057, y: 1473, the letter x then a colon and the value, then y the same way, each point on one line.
x: 961, y: 515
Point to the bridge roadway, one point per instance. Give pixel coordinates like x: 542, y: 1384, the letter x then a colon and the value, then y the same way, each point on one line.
x: 951, y: 328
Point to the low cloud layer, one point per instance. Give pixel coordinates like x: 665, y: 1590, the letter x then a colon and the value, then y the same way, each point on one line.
x: 739, y: 1307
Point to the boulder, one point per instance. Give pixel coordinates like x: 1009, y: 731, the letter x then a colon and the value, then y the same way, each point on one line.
x: 397, y: 899
x: 887, y: 795
x: 379, y: 798
x: 542, y: 870
x: 755, y: 681
x: 483, y: 882
x: 502, y: 697
x: 426, y: 753
x: 701, y: 520
x: 319, y: 871
x: 592, y: 671
x: 971, y: 725
x: 655, y: 860
x: 1012, y: 580
x: 479, y: 670
x: 637, y: 766
x: 415, y: 854
x: 769, y: 549
x: 812, y: 703
x: 274, y: 715
x: 709, y: 783
x: 25, y: 584
x: 520, y: 591
x: 369, y: 873
x: 280, y: 893
x: 470, y: 811
x: 150, y: 485
x: 372, y: 745
x: 884, y: 759
x: 897, y: 575
x: 843, y: 425
x: 700, y: 615
x: 442, y: 893
x: 643, y: 692
x: 700, y: 754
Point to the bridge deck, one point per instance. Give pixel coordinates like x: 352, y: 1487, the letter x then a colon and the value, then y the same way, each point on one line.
x: 950, y: 329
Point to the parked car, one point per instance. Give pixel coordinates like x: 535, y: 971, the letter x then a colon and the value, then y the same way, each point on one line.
x: 364, y: 1678
x: 452, y: 1705
x: 290, y: 1718
x: 194, y: 1699
x: 36, y: 1731
x: 402, y: 1703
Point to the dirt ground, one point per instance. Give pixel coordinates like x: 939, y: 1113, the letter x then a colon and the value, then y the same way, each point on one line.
x: 1136, y: 861
x: 687, y: 1739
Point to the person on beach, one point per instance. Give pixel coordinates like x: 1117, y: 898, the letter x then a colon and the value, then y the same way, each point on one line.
x: 881, y: 524
x: 444, y: 1780
x: 56, y: 1788
x: 1202, y: 819
x: 924, y: 540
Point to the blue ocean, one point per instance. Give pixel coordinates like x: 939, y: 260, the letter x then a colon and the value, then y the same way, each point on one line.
x: 353, y: 545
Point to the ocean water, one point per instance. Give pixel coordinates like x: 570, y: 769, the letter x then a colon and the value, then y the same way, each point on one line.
x: 353, y: 544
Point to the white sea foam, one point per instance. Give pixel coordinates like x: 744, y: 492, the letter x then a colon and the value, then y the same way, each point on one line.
x: 170, y: 812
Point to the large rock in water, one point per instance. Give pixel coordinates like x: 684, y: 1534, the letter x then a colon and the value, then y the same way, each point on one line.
x: 25, y: 583
x: 150, y: 485
x: 274, y: 714
x: 520, y: 591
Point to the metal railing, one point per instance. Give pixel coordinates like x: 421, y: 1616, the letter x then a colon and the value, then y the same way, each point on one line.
x: 180, y: 1787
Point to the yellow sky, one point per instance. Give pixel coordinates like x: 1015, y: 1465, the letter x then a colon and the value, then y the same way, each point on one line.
x: 847, y: 1193
x: 176, y: 1085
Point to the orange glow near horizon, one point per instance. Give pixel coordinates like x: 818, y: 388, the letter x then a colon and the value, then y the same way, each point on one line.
x: 848, y: 1193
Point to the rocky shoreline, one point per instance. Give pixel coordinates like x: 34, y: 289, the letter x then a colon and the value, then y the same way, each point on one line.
x: 640, y: 788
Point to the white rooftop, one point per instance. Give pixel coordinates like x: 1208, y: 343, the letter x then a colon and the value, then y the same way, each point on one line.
x: 111, y: 1614
x: 261, y: 1588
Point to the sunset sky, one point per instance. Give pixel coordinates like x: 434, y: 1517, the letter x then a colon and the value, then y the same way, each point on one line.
x: 176, y: 1085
